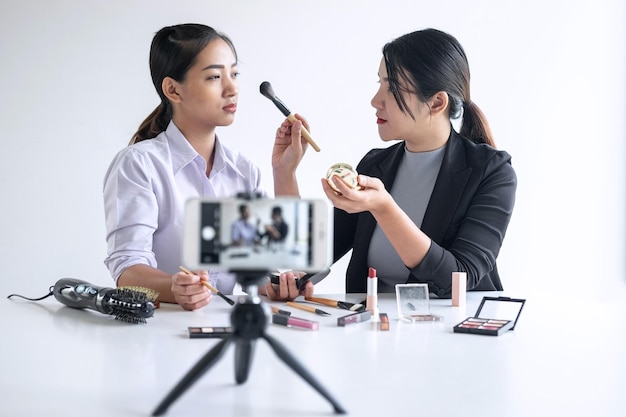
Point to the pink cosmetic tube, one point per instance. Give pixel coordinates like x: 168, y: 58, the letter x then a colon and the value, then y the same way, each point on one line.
x: 459, y: 283
x: 297, y: 322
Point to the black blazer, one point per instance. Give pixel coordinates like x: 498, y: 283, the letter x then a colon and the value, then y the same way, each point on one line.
x: 466, y: 218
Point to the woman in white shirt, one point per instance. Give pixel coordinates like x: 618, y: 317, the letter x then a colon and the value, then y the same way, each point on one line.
x: 175, y: 155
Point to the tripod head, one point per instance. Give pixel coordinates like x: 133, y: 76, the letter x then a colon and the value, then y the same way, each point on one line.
x: 250, y: 278
x: 250, y: 281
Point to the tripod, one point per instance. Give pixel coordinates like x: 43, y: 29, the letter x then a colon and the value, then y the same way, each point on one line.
x: 249, y: 322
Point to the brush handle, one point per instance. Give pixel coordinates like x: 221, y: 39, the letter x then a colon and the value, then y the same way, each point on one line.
x: 305, y: 133
x: 310, y: 309
x: 276, y: 310
x: 76, y: 293
x: 267, y: 91
x: 219, y: 293
x: 338, y: 304
x: 209, y: 286
x: 325, y: 301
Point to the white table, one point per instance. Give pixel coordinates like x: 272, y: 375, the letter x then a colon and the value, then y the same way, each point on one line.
x: 563, y: 359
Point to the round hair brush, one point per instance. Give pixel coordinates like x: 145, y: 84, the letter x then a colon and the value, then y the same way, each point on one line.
x: 266, y: 89
x: 129, y: 304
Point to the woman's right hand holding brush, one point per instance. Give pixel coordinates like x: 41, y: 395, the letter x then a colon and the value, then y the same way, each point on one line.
x: 189, y: 291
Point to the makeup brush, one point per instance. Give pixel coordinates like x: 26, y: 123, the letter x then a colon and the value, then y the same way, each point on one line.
x: 209, y: 286
x: 276, y: 310
x: 335, y: 303
x: 310, y: 309
x: 266, y: 89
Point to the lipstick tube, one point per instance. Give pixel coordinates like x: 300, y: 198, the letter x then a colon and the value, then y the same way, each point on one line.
x: 290, y: 321
x: 371, y: 302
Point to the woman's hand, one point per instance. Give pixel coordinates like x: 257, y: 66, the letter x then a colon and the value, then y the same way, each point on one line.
x: 287, y: 290
x: 289, y: 149
x: 369, y: 196
x: 188, y: 290
x: 289, y: 145
x: 410, y: 243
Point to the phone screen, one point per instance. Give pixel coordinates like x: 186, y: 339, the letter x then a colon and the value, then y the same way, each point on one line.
x: 256, y: 234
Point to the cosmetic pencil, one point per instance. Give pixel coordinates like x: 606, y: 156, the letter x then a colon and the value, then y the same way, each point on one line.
x: 277, y: 310
x: 209, y: 286
x: 310, y: 309
x: 291, y: 321
x: 344, y: 305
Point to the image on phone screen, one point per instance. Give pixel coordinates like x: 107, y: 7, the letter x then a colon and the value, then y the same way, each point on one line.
x: 264, y: 234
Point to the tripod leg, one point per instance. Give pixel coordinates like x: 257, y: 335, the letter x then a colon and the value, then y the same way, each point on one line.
x: 293, y: 363
x: 198, y: 369
x: 244, y: 348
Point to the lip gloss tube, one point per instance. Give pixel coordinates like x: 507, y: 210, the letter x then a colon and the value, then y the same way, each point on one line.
x: 298, y: 322
x: 358, y: 317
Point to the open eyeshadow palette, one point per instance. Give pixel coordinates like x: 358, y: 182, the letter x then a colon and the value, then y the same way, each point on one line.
x: 495, y: 315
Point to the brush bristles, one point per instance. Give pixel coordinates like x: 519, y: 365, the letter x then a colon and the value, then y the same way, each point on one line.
x: 149, y: 293
x: 130, y: 318
x: 133, y: 304
x: 266, y: 89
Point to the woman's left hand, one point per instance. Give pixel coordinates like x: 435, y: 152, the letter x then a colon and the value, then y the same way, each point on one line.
x: 287, y: 289
x: 370, y: 195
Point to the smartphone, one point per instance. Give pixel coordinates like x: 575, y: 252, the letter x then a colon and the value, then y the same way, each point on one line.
x: 262, y: 234
x: 314, y: 277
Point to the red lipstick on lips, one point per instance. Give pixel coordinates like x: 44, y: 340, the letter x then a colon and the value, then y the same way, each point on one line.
x: 380, y: 121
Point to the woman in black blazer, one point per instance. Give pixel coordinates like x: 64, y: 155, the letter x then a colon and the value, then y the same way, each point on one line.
x: 438, y: 201
x: 463, y: 227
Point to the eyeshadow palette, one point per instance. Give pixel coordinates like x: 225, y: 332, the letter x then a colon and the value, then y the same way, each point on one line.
x: 488, y: 327
x: 495, y: 316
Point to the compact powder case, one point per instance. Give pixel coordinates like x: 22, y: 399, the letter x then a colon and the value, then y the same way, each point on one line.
x: 345, y: 172
x: 495, y: 316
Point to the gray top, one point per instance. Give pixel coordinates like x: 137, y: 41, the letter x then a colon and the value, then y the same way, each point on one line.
x: 411, y: 190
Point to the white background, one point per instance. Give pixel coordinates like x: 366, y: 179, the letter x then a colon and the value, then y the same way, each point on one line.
x: 549, y: 75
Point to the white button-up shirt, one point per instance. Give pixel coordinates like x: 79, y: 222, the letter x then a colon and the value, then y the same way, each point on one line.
x: 145, y: 191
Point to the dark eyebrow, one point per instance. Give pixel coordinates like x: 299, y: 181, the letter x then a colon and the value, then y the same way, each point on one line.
x: 218, y: 66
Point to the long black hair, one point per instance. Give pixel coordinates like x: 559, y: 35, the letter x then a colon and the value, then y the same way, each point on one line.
x: 428, y: 61
x: 173, y: 51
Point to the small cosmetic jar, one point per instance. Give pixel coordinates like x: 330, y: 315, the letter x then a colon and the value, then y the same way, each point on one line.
x: 345, y: 172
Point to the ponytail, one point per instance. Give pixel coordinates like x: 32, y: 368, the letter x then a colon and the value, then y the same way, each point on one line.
x: 475, y: 126
x: 154, y: 124
x: 429, y: 61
